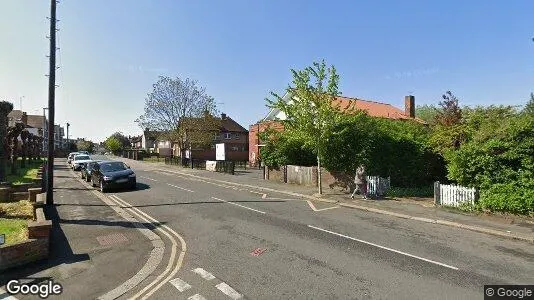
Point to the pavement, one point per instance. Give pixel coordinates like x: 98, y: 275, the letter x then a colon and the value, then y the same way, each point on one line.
x: 199, y: 235
x: 89, y: 242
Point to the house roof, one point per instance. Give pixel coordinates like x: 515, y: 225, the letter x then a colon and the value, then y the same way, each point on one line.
x: 228, y: 124
x: 36, y: 121
x: 373, y: 108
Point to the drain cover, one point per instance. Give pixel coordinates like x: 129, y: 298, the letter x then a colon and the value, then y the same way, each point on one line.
x: 111, y: 239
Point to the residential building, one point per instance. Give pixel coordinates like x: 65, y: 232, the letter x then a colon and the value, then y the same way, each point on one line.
x: 373, y: 108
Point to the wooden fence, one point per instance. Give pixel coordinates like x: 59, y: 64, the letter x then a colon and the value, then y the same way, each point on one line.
x: 454, y: 195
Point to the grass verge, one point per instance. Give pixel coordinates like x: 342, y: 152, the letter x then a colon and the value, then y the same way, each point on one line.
x: 14, y: 219
x: 23, y: 175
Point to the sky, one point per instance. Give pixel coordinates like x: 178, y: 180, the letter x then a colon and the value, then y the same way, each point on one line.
x: 112, y: 52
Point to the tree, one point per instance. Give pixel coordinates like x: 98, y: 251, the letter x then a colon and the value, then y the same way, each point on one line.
x: 5, y: 109
x: 113, y: 144
x: 83, y: 145
x: 529, y: 107
x: 427, y: 113
x: 312, y: 110
x: 171, y: 102
x: 14, y: 133
x: 196, y: 132
x: 450, y: 113
x: 124, y: 140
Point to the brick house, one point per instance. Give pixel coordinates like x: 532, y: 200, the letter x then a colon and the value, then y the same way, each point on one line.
x: 373, y: 108
x: 233, y: 135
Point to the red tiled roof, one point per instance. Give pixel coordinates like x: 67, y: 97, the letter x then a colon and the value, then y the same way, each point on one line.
x: 374, y: 109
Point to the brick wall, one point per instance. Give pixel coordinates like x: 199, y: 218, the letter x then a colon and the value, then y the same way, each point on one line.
x: 36, y: 247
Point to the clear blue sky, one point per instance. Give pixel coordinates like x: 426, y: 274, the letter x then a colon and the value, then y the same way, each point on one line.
x: 112, y: 52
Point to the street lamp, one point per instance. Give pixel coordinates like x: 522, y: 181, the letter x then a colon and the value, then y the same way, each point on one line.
x: 68, y: 142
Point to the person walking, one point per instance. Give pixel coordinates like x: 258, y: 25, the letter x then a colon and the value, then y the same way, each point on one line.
x: 360, y: 179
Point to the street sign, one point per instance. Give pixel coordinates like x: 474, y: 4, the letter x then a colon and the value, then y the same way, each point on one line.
x: 219, y: 151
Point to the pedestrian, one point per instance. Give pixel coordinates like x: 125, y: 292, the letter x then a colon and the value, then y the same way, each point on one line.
x: 360, y: 179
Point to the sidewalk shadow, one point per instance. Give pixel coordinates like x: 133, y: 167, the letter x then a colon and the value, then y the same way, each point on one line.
x: 60, y: 253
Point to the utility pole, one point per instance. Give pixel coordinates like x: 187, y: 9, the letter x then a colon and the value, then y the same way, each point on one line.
x: 51, y: 106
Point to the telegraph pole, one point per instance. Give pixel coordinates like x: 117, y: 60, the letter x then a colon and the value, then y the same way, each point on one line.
x: 51, y: 106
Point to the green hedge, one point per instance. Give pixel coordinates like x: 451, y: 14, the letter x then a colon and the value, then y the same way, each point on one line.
x: 402, y: 192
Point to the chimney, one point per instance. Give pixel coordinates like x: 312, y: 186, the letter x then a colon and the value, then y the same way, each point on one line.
x: 24, y: 119
x: 223, y: 116
x: 409, y: 106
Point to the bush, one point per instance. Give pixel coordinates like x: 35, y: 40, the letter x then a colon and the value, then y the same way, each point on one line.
x: 400, y: 192
x: 513, y: 197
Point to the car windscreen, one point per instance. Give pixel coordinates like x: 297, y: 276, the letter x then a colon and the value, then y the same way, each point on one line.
x: 112, y: 167
x: 82, y: 157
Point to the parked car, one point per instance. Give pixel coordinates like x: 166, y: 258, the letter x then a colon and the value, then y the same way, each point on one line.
x: 84, y: 152
x: 112, y: 174
x: 86, y: 170
x: 79, y: 160
x: 71, y: 156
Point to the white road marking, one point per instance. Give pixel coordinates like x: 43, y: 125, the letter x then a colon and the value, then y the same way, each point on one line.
x: 6, y: 296
x: 180, y: 284
x: 385, y: 248
x: 228, y: 291
x: 181, y: 188
x: 147, y: 178
x: 246, y: 207
x: 316, y: 209
x: 165, y: 230
x: 204, y: 274
x: 196, y: 297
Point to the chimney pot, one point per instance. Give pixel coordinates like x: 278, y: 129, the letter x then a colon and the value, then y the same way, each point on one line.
x: 409, y: 106
x: 223, y: 116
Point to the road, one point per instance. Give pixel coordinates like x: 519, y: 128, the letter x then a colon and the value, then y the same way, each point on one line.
x: 224, y: 242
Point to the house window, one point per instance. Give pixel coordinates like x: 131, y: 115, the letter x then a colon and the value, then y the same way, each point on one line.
x: 215, y: 136
x: 237, y: 136
x: 227, y: 136
x: 234, y: 148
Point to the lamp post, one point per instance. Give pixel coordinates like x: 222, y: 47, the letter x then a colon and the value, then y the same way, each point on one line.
x: 68, y: 143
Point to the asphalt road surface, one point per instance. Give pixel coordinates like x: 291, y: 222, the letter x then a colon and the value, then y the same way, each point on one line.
x: 224, y: 242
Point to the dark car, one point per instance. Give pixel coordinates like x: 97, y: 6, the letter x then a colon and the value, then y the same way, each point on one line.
x: 112, y: 174
x: 86, y: 170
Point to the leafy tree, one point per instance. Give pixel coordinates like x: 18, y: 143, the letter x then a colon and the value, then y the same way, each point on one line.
x: 529, y: 107
x: 286, y: 148
x: 312, y: 110
x: 83, y: 145
x: 5, y: 109
x: 449, y: 132
x: 171, y: 102
x: 113, y: 144
x: 124, y: 141
x: 427, y: 113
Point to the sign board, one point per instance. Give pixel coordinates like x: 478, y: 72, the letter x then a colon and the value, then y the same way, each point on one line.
x: 187, y: 154
x: 219, y: 151
x: 2, y: 239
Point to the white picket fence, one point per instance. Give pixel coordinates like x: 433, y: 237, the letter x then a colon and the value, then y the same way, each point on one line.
x: 454, y: 195
x: 377, y: 186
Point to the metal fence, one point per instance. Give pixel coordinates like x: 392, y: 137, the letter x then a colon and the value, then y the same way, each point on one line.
x: 377, y: 186
x: 454, y: 195
x: 225, y: 167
